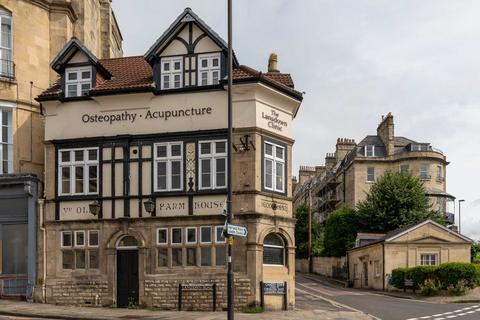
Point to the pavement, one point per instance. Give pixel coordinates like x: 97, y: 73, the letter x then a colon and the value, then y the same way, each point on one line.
x: 386, y: 307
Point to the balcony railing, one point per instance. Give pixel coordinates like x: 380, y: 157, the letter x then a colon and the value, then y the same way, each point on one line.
x: 423, y: 147
x: 7, y: 69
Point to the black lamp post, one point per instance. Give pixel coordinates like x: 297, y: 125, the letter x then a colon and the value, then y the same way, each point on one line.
x: 94, y: 207
x: 149, y: 205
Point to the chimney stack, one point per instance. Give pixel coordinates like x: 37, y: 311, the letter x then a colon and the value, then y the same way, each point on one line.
x: 272, y: 63
x: 386, y: 133
x: 343, y: 147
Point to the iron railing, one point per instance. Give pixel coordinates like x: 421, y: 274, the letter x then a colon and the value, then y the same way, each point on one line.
x: 7, y: 69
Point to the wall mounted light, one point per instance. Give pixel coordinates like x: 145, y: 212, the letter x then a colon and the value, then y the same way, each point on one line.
x: 94, y: 207
x: 149, y: 205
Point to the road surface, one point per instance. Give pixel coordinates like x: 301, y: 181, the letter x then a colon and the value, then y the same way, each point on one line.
x: 381, y: 306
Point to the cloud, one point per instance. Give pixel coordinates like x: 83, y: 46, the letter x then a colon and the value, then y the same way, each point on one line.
x: 356, y: 60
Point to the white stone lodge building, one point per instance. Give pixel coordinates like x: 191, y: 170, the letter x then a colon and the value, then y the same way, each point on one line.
x: 136, y: 176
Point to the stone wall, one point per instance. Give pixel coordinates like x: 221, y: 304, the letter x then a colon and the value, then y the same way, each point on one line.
x: 79, y: 290
x: 163, y: 294
x: 321, y: 265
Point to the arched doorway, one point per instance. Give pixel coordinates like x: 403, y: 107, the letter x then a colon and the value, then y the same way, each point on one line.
x: 127, y: 272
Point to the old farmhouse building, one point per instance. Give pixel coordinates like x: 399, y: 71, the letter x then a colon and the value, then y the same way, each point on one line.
x: 136, y: 153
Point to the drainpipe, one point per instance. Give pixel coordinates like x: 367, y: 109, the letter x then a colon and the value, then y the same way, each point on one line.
x: 383, y: 265
x: 44, y: 248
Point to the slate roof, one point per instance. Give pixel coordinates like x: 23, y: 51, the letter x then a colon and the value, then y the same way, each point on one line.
x: 134, y: 74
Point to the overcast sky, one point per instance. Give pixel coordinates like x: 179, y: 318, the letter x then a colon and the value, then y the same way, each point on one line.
x: 356, y: 60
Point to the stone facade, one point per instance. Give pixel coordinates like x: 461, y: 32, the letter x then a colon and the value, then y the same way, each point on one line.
x: 34, y: 31
x: 156, y: 158
x: 349, y: 173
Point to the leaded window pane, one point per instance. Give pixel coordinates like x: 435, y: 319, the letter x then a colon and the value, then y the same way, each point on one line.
x: 206, y: 234
x: 78, y: 179
x: 206, y: 256
x: 79, y: 259
x: 206, y: 173
x: 92, y: 179
x: 162, y: 175
x: 268, y: 173
x: 177, y: 260
x: 67, y: 259
x: 163, y: 257
x: 93, y: 259
x: 191, y: 256
x: 220, y: 256
x: 176, y: 235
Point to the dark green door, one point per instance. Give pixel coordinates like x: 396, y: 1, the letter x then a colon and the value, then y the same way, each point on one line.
x: 127, y: 278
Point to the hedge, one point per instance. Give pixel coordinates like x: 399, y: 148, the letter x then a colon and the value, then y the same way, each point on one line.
x: 446, y: 274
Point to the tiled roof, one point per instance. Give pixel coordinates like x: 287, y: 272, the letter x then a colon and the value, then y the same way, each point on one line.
x: 130, y: 74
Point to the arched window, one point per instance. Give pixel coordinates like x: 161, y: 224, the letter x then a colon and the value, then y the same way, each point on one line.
x: 6, y: 57
x: 127, y: 242
x: 273, y: 250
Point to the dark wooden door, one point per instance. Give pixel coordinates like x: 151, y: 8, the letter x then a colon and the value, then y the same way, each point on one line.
x: 127, y: 278
x: 365, y: 274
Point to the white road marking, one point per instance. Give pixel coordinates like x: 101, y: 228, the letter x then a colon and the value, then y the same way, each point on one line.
x: 450, y: 314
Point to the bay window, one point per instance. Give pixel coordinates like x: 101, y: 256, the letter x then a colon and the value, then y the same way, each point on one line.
x: 78, y: 81
x: 171, y: 73
x: 78, y: 171
x: 208, y: 69
x: 274, y: 167
x: 213, y: 164
x: 168, y: 168
x: 6, y: 56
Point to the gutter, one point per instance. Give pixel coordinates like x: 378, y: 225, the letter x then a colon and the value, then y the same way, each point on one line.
x: 44, y: 248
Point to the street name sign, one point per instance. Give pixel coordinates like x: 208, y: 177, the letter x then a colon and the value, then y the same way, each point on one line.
x: 234, y: 230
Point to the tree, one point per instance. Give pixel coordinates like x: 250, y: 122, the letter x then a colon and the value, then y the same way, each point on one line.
x: 394, y: 201
x: 301, y: 234
x: 475, y: 251
x: 340, y: 232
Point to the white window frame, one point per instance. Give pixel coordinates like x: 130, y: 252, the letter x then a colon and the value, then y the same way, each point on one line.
x: 405, y: 165
x: 186, y: 235
x: 425, y: 176
x: 98, y: 238
x: 368, y: 174
x: 168, y: 159
x: 273, y: 157
x: 216, y: 239
x: 200, y: 235
x: 158, y: 238
x: 213, y: 156
x: 7, y: 51
x: 209, y: 69
x: 86, y: 163
x: 429, y: 260
x: 171, y: 73
x: 439, y: 173
x: 76, y: 245
x: 366, y: 150
x: 8, y: 145
x: 79, y: 81
x: 61, y: 239
x: 181, y: 236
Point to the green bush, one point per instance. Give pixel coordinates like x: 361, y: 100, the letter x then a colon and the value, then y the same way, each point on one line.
x: 398, y: 277
x: 449, y: 274
x: 430, y: 288
x: 420, y: 274
x: 458, y: 289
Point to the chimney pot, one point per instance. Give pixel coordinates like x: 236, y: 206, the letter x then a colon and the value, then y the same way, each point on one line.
x: 272, y: 63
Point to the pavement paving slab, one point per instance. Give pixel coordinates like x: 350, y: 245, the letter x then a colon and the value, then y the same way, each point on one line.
x: 14, y: 309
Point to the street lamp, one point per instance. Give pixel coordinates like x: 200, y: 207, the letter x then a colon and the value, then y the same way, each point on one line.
x: 94, y: 207
x: 460, y: 215
x: 149, y: 205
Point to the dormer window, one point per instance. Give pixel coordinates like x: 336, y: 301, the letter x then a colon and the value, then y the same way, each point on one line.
x: 78, y: 81
x: 369, y: 151
x: 208, y: 69
x: 171, y: 73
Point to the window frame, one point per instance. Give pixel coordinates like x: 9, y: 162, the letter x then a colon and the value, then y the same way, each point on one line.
x: 158, y: 238
x: 168, y: 159
x: 186, y: 235
x: 430, y: 255
x: 376, y: 268
x: 369, y: 175
x: 98, y: 238
x: 71, y: 239
x: 209, y: 69
x: 439, y: 173
x: 8, y: 144
x: 274, y: 159
x: 216, y: 239
x: 425, y: 176
x: 79, y: 81
x: 75, y: 239
x: 10, y: 72
x: 200, y: 233
x: 365, y: 151
x: 171, y: 73
x: 213, y: 156
x: 283, y: 247
x: 407, y: 166
x: 72, y: 164
x: 181, y: 243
